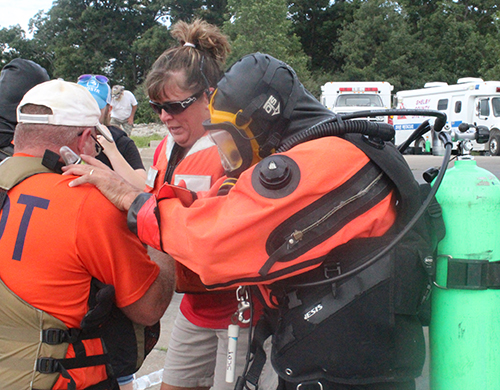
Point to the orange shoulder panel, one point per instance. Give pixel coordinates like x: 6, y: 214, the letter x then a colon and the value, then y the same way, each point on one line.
x: 223, y: 239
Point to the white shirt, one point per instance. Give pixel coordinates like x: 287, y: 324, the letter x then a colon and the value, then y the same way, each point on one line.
x: 122, y: 108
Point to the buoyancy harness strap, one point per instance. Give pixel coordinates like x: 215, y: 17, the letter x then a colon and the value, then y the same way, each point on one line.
x: 388, y: 158
x: 471, y: 274
x: 263, y: 330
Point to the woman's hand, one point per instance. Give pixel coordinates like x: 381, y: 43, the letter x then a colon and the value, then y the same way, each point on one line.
x: 137, y: 177
x: 119, y: 191
x: 109, y: 148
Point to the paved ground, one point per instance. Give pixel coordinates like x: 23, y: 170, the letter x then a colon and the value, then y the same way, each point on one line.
x: 418, y: 164
x: 156, y: 358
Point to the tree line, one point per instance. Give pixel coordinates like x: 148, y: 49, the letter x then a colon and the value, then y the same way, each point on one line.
x: 406, y: 43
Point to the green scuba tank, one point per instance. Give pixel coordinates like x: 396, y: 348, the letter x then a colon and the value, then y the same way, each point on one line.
x: 465, y: 324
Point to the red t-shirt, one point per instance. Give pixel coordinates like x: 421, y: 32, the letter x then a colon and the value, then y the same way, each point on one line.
x: 54, y: 239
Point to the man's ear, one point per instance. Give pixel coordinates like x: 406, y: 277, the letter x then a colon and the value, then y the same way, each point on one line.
x: 85, y: 142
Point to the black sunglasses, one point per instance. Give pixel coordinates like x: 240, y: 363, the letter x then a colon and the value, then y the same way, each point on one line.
x: 98, y: 146
x: 174, y: 108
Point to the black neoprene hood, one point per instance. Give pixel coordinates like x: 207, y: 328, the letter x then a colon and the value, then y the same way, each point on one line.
x: 17, y: 78
x: 257, y: 80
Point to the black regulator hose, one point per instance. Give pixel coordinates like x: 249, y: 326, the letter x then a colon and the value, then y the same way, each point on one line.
x: 439, y: 123
x: 339, y: 125
x: 419, y: 132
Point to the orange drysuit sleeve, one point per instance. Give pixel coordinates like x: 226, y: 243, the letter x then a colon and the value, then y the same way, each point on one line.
x: 225, y: 239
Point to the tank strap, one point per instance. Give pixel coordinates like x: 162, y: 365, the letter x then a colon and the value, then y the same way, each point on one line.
x: 467, y: 274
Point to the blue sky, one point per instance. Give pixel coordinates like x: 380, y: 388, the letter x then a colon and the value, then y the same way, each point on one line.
x: 14, y: 12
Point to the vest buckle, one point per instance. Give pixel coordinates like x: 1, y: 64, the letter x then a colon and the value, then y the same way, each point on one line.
x: 53, y: 336
x: 47, y: 365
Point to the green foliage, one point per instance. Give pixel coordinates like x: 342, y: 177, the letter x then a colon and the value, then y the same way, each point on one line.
x: 490, y: 68
x: 143, y: 142
x: 318, y: 24
x: 460, y: 49
x: 210, y: 10
x: 148, y: 47
x: 144, y: 113
x: 103, y: 36
x: 404, y: 42
x: 14, y: 43
x: 262, y: 25
x: 377, y: 46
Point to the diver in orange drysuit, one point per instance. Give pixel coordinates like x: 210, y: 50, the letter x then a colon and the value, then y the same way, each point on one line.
x: 285, y: 213
x: 301, y: 201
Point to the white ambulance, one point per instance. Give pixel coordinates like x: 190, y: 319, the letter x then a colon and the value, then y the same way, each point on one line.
x: 346, y: 97
x: 471, y: 101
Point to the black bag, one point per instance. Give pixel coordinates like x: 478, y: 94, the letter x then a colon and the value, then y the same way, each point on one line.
x: 353, y: 331
x: 367, y: 327
x: 127, y: 343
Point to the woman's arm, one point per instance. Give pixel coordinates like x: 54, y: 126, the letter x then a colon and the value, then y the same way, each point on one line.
x: 136, y: 177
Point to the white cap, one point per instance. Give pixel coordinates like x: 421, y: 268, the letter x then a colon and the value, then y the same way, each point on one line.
x: 71, y: 105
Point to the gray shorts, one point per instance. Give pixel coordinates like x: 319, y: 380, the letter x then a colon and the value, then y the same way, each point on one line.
x: 127, y: 127
x: 196, y: 357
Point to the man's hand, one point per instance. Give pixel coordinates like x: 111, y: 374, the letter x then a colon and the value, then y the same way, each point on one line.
x: 119, y: 191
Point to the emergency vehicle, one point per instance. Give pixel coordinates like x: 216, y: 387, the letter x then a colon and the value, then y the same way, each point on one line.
x: 472, y: 101
x: 345, y: 97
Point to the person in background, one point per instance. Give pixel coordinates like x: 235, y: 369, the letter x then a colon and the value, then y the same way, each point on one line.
x: 16, y: 78
x: 124, y: 106
x: 121, y: 155
x: 69, y: 238
x: 179, y: 86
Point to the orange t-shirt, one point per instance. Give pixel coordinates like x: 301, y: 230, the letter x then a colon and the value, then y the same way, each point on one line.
x: 54, y: 239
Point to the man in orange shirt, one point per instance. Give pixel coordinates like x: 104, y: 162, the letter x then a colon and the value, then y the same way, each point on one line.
x: 54, y: 241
